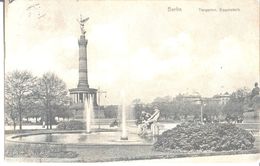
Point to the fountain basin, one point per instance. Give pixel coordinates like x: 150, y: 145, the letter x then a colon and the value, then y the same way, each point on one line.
x: 80, y: 138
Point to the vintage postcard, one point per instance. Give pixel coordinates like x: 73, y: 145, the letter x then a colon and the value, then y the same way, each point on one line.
x: 105, y: 81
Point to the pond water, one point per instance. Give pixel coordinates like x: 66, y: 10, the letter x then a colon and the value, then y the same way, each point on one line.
x: 83, y: 138
x: 98, y: 137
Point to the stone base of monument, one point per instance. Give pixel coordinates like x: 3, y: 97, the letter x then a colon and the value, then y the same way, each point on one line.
x: 252, y: 117
x: 155, y: 128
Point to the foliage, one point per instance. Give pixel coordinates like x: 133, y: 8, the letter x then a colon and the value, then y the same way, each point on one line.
x: 36, y: 110
x: 52, y: 93
x: 71, y: 125
x: 63, y: 111
x: 111, y: 111
x: 188, y: 107
x: 208, y: 137
x: 38, y: 150
x: 170, y: 109
x: 238, y: 100
x: 26, y: 96
x: 19, y: 95
x: 212, y: 109
x: 139, y: 107
x: 165, y: 99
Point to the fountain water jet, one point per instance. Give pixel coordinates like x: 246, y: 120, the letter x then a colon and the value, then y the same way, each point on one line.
x: 88, y: 108
x: 124, y: 130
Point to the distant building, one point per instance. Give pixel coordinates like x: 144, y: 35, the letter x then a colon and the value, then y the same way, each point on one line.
x: 223, y: 98
x: 193, y: 98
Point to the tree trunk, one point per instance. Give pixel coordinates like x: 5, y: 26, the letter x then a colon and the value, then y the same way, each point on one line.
x: 47, y: 120
x: 14, y: 125
x: 50, y: 119
x: 36, y: 119
x: 20, y: 119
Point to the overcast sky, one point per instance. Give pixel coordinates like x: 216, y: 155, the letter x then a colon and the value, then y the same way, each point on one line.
x: 139, y: 47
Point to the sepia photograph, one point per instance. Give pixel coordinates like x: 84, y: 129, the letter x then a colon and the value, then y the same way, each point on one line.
x: 148, y: 81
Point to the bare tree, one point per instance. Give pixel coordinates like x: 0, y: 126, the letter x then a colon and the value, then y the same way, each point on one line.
x: 11, y: 113
x: 19, y: 94
x: 52, y: 93
x: 36, y: 110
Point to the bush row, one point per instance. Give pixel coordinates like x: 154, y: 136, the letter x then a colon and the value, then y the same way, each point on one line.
x: 71, y: 125
x: 204, y: 137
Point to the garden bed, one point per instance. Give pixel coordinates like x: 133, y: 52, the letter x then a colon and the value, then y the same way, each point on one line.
x: 196, y: 137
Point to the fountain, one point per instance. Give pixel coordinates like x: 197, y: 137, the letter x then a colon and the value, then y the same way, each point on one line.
x: 89, y: 112
x: 89, y: 137
x: 124, y: 130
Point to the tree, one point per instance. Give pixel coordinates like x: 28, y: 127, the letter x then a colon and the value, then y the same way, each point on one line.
x: 11, y: 114
x: 52, y: 93
x: 165, y: 99
x: 212, y: 109
x: 233, y: 108
x: 238, y: 100
x: 240, y: 95
x: 35, y: 111
x: 139, y: 106
x: 165, y: 106
x: 19, y: 94
x: 111, y: 111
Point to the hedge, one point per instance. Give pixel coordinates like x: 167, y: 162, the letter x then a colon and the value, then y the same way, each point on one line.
x: 71, y: 125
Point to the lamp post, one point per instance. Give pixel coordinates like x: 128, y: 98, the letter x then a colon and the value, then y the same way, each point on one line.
x: 202, y: 102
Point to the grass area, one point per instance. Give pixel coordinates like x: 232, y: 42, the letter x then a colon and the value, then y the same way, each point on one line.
x: 38, y: 151
x: 101, y: 153
x: 115, y: 153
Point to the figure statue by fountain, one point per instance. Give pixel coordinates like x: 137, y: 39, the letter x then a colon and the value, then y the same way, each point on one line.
x: 82, y: 23
x: 145, y: 116
x: 252, y: 102
x: 147, y: 123
x: 255, y: 91
x: 252, y: 108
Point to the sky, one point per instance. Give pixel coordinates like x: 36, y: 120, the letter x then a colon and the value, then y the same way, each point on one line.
x: 138, y: 47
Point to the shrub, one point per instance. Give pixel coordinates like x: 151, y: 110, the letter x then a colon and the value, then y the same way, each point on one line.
x: 71, y: 125
x: 207, y: 137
